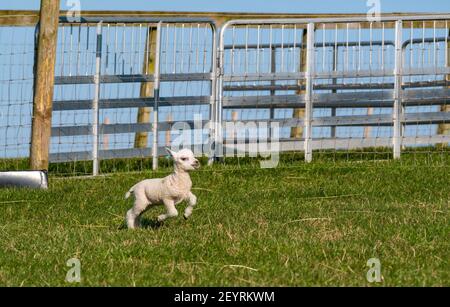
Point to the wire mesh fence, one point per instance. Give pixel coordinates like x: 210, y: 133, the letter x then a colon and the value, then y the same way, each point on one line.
x: 125, y: 89
x: 16, y: 95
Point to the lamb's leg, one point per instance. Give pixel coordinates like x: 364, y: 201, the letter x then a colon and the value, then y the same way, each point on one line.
x: 192, y: 201
x: 134, y: 214
x: 171, y: 211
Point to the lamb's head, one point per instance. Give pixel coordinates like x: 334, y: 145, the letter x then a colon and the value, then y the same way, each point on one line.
x: 184, y: 160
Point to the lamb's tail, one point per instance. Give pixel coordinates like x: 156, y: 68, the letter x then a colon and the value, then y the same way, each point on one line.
x: 128, y: 194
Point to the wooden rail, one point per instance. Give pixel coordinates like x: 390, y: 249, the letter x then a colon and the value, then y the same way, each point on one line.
x: 31, y: 17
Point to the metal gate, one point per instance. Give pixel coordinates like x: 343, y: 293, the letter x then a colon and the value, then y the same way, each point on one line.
x: 337, y: 84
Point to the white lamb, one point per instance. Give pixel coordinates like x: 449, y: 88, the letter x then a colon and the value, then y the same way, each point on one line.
x: 168, y: 191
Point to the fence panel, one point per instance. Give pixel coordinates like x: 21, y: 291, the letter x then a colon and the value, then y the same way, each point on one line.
x: 374, y: 85
x: 150, y: 72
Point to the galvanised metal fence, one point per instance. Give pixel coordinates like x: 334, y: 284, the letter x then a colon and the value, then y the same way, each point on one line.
x: 128, y: 87
x: 338, y: 84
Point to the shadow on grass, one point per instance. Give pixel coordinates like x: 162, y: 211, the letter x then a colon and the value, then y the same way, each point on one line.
x: 146, y: 223
x: 150, y: 223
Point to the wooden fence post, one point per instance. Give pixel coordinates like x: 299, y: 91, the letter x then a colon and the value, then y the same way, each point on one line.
x: 169, y: 121
x: 105, y: 135
x: 297, y: 132
x: 44, y: 77
x: 141, y: 138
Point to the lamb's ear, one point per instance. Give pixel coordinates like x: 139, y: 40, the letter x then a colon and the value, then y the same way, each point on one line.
x: 170, y: 152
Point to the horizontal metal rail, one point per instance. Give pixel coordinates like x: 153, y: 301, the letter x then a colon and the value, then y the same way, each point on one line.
x: 303, y: 45
x: 336, y: 86
x: 138, y: 78
x: 117, y: 128
x: 121, y: 103
x: 357, y: 120
x: 342, y: 100
x: 292, y: 21
x: 337, y: 143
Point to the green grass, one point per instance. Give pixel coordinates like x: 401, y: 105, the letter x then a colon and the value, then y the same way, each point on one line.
x: 296, y: 225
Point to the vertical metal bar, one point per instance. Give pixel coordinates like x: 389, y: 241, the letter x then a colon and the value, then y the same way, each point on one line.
x: 282, y: 48
x: 371, y: 46
x: 273, y: 70
x: 174, y: 49
x: 233, y: 50
x: 246, y: 50
x: 257, y: 49
x: 70, y: 50
x: 334, y: 63
x: 147, y: 50
x: 214, y: 108
x: 190, y: 49
x: 294, y: 61
x: 115, y: 51
x: 309, y: 92
x: 166, y: 51
x: 95, y: 111
x: 368, y: 129
x: 63, y: 43
x: 197, y: 49
x: 336, y: 46
x: 123, y: 53
x: 78, y: 51
x: 347, y: 48
x: 423, y: 45
x: 108, y: 42
x: 156, y: 97
x: 218, y: 142
x: 435, y: 46
x: 86, y: 58
x: 205, y: 39
x: 138, y: 48
x: 182, y: 49
x: 132, y: 50
x: 411, y: 51
x: 334, y: 91
x: 272, y: 51
x: 323, y: 48
x: 446, y: 43
x: 382, y: 47
x: 397, y: 112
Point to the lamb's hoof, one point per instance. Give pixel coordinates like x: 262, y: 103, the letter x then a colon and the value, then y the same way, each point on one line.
x: 185, y: 217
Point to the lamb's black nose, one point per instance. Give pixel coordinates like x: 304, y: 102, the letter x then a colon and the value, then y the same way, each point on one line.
x: 196, y: 163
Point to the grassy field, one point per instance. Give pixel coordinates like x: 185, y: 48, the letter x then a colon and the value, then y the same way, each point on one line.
x: 296, y: 225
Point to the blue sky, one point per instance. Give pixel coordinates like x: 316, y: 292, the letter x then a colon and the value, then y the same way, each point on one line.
x: 267, y: 6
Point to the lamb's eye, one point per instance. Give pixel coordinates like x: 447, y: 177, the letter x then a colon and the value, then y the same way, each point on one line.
x: 184, y: 159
